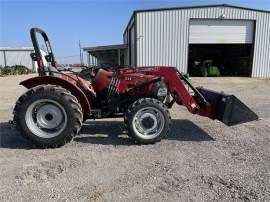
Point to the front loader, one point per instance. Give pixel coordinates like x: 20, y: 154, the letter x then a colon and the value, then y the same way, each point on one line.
x: 52, y: 111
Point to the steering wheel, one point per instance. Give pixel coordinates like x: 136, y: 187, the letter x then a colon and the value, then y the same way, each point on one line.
x: 90, y: 72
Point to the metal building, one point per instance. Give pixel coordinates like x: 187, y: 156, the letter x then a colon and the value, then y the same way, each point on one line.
x: 17, y: 56
x: 111, y: 55
x: 237, y: 39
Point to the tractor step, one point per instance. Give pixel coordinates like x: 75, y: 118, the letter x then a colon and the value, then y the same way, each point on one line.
x: 228, y: 108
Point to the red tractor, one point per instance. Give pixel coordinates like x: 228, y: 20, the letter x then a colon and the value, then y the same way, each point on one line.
x: 52, y: 111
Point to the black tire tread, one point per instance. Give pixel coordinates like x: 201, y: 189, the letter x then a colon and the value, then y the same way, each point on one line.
x: 127, y: 117
x: 61, y: 92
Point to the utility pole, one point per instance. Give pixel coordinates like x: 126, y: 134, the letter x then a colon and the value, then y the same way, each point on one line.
x: 81, y: 54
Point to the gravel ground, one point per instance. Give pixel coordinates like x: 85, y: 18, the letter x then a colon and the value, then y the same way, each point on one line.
x: 200, y: 160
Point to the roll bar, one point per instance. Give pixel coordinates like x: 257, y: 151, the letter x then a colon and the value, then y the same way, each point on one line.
x: 37, y: 56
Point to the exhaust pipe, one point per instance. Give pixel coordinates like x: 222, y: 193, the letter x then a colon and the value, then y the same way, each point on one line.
x: 228, y: 108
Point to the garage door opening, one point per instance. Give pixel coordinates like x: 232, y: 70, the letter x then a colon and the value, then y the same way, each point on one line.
x: 220, y: 60
x: 220, y: 47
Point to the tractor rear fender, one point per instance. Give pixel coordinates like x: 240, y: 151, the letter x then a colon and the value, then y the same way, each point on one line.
x: 75, y: 90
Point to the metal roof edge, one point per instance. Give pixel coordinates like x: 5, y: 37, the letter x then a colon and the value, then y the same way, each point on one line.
x: 16, y: 49
x: 201, y: 6
x: 191, y: 7
x: 108, y: 47
x: 130, y: 19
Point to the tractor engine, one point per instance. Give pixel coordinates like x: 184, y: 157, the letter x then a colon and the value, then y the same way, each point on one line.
x: 117, y: 90
x: 159, y: 90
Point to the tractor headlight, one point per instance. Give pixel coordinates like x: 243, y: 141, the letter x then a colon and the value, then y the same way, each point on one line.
x: 162, y: 92
x: 159, y: 90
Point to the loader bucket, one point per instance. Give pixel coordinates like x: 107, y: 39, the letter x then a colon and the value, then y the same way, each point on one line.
x: 228, y: 108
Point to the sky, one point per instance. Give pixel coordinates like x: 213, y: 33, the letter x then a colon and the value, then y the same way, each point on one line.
x: 93, y: 22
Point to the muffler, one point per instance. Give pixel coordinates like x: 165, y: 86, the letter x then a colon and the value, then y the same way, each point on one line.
x: 228, y: 108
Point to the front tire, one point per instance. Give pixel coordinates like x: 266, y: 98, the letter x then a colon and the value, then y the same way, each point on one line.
x: 147, y: 120
x: 48, y: 116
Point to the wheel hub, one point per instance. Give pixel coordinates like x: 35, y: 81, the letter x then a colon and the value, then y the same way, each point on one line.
x: 148, y: 122
x: 49, y: 116
x: 46, y: 118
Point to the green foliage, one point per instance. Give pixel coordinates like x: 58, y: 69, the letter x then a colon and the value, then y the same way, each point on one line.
x: 14, y: 70
x: 186, y: 75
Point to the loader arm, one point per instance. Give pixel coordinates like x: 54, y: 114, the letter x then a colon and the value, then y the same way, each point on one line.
x: 175, y: 82
x: 215, y: 105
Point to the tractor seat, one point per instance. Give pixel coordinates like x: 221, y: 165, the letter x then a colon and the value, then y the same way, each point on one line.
x: 102, y: 80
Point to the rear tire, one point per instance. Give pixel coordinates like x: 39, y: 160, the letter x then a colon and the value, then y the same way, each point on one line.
x: 48, y: 116
x: 147, y: 120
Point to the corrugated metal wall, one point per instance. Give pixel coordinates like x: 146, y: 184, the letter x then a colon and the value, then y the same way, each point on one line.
x: 2, y: 58
x: 19, y: 58
x: 91, y: 60
x: 220, y: 31
x: 14, y: 57
x: 162, y: 36
x: 126, y: 39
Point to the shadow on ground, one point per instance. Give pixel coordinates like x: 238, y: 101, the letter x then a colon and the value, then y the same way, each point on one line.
x: 113, y: 132
x: 10, y: 137
x: 106, y: 133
